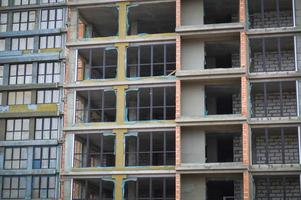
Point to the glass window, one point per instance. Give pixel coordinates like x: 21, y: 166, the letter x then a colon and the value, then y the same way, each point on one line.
x: 3, y: 22
x: 25, y: 43
x: 25, y: 2
x: 49, y: 72
x: 19, y: 97
x: 52, y: 1
x: 23, y: 21
x: 3, y: 3
x: 52, y: 18
x: 46, y: 128
x: 20, y: 74
x: 17, y: 129
x: 2, y: 44
x: 15, y: 158
x: 44, y: 158
x: 48, y: 42
x: 48, y: 96
x: 43, y: 187
x: 14, y: 187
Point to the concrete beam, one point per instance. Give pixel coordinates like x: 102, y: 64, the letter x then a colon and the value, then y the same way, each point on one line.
x: 211, y: 120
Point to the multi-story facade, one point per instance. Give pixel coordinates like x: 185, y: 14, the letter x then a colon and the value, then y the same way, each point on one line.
x: 32, y: 38
x: 162, y: 99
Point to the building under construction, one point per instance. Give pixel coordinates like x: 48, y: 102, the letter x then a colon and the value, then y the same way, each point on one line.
x: 150, y: 99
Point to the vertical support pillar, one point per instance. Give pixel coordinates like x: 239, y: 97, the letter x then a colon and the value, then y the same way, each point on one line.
x: 121, y: 64
x: 120, y: 103
x: 120, y: 154
x: 122, y: 19
x: 73, y: 24
x: 178, y: 186
x: 118, y: 186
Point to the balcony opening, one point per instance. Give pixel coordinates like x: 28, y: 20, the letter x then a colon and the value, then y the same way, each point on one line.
x: 92, y: 189
x: 216, y: 11
x: 95, y: 106
x: 94, y: 150
x: 97, y: 22
x: 162, y: 188
x: 220, y: 189
x: 272, y: 54
x: 97, y: 63
x: 151, y: 60
x: 151, y: 104
x: 277, y: 187
x: 270, y: 13
x: 222, y: 54
x: 223, y: 99
x: 152, y: 18
x: 274, y: 99
x: 150, y: 149
x: 275, y: 145
x: 223, y: 148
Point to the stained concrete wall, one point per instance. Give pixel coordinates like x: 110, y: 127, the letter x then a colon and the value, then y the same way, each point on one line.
x: 291, y: 151
x: 192, y: 94
x: 193, y: 144
x: 193, y: 187
x: 192, y: 53
x: 192, y: 12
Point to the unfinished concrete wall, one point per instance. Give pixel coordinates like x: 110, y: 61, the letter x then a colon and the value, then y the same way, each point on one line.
x: 271, y: 61
x: 298, y: 12
x: 192, y: 94
x: 291, y: 151
x: 193, y: 56
x: 192, y: 12
x: 193, y: 144
x: 273, y: 105
x: 235, y: 60
x: 193, y: 187
x: 237, y: 189
x: 237, y: 148
x: 298, y: 48
x: 271, y: 20
x: 236, y: 104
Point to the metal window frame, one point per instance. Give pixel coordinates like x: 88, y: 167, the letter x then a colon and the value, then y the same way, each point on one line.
x: 29, y: 3
x: 47, y: 187
x: 14, y: 131
x: 15, y: 97
x: 48, y: 42
x: 28, y: 21
x: 41, y: 159
x: 11, y: 159
x: 44, y: 96
x: 50, y: 126
x: 45, y: 74
x: 6, y: 23
x: 15, y: 189
x: 55, y: 17
x: 19, y: 42
x: 25, y: 75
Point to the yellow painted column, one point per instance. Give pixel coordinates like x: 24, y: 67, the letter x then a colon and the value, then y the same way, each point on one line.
x: 120, y: 103
x: 121, y: 65
x: 120, y: 154
x: 122, y: 20
x: 118, y: 186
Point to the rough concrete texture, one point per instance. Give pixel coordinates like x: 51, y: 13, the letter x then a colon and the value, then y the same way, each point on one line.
x: 237, y: 149
x: 271, y: 21
x: 274, y: 151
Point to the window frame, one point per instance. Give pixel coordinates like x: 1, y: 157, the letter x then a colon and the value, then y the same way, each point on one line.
x: 41, y: 190
x: 19, y: 23
x: 17, y: 188
x: 26, y: 75
x: 20, y: 160
x: 51, y: 94
x: 56, y: 21
x: 13, y: 97
x: 3, y: 23
x: 53, y: 131
x: 29, y: 43
x: 22, y: 130
x: 57, y: 42
x: 40, y: 158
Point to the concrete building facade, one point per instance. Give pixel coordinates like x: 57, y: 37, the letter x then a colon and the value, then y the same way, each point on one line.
x: 153, y: 99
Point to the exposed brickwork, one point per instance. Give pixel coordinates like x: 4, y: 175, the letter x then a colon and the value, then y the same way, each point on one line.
x: 272, y: 63
x: 178, y: 186
x: 178, y: 98
x: 271, y: 20
x: 178, y: 13
x: 242, y: 11
x: 291, y: 149
x: 246, y: 185
x: 178, y: 146
x: 245, y: 143
x: 274, y: 105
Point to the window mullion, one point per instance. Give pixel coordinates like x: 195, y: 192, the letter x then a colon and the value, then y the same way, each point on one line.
x: 104, y: 64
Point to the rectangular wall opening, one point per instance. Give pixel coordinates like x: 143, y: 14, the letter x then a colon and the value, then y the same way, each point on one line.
x: 150, y: 149
x: 151, y: 18
x: 94, y: 150
x: 223, y: 100
x: 157, y: 103
x: 151, y: 60
x: 97, y: 63
x: 220, y: 189
x: 274, y: 99
x: 223, y: 148
x: 275, y: 145
x: 272, y: 54
x: 222, y: 54
x: 216, y: 11
x: 92, y: 189
x: 95, y: 106
x: 97, y: 22
x: 145, y: 188
x: 270, y: 13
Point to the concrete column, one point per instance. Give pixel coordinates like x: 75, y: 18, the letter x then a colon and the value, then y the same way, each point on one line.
x: 2, y: 152
x: 193, y: 54
x: 28, y: 187
x: 31, y: 128
x: 193, y: 94
x: 120, y: 103
x: 193, y: 187
x: 118, y: 186
x: 122, y: 23
x: 73, y: 23
x: 35, y: 72
x: 192, y: 12
x: 121, y: 65
x: 30, y: 154
x: 5, y: 74
x: 67, y: 185
x: 298, y: 13
x: 119, y: 144
x: 68, y: 152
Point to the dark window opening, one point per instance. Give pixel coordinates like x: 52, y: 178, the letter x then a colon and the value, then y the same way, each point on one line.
x: 94, y: 150
x: 97, y: 22
x: 96, y: 106
x: 150, y: 188
x: 98, y: 63
x: 151, y: 104
x: 151, y: 18
x: 274, y: 99
x: 223, y: 100
x: 275, y: 145
x: 150, y: 149
x: 90, y: 189
x: 220, y: 190
x: 216, y: 11
x: 151, y: 60
x: 224, y: 54
x: 270, y: 13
